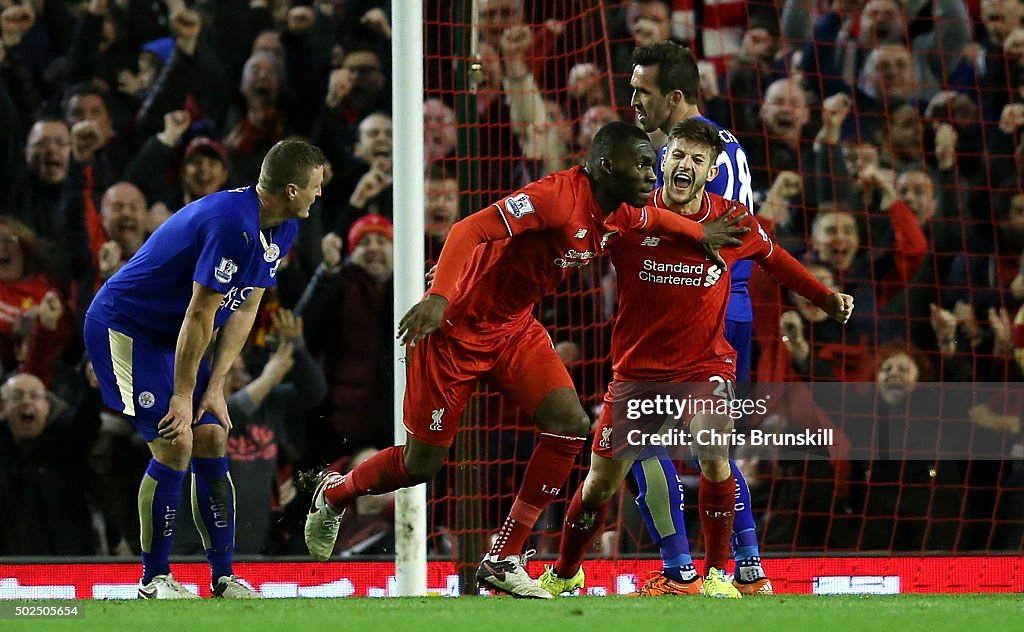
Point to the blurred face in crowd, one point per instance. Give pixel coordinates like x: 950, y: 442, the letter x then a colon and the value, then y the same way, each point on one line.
x: 905, y: 129
x: 439, y: 127
x: 369, y: 77
x: 807, y: 309
x: 918, y: 191
x: 496, y: 16
x: 149, y: 68
x: 90, y: 107
x: 261, y: 78
x: 269, y: 42
x: 649, y: 22
x: 759, y: 45
x: 25, y: 406
x: 238, y: 376
x: 374, y: 138
x: 687, y: 167
x: 1011, y: 231
x: 890, y: 71
x: 204, y: 174
x: 441, y: 206
x: 834, y: 239
x: 594, y: 119
x: 881, y: 22
x: 784, y: 109
x: 858, y: 157
x: 651, y: 106
x: 1000, y: 17
x: 12, y: 257
x: 374, y: 254
x: 123, y: 212
x: 585, y: 83
x: 897, y: 377
x: 48, y: 150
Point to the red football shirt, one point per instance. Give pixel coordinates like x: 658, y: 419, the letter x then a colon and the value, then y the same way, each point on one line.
x: 545, y: 231
x: 672, y: 299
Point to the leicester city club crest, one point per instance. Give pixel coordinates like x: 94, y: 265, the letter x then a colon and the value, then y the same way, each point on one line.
x: 272, y: 252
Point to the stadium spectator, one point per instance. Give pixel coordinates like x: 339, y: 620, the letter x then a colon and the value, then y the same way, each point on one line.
x: 41, y: 458
x: 267, y: 414
x: 838, y: 49
x: 347, y: 312
x: 26, y: 284
x: 362, y: 181
x: 441, y: 207
x: 31, y: 180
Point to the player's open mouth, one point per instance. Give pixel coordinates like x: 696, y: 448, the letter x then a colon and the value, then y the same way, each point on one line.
x: 682, y: 181
x: 640, y: 116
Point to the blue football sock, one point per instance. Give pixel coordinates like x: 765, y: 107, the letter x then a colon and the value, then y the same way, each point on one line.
x: 661, y: 502
x: 744, y: 533
x: 159, y: 493
x: 213, y: 510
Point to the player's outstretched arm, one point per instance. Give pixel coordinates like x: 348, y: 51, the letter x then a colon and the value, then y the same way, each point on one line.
x: 788, y: 271
x: 193, y: 339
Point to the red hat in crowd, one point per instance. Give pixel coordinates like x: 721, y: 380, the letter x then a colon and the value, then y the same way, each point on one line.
x: 208, y: 146
x: 371, y: 223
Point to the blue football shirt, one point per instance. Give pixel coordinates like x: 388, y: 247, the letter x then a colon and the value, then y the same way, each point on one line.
x: 214, y: 241
x: 733, y: 182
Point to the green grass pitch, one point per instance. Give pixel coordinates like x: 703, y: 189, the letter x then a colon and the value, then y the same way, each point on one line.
x: 905, y: 613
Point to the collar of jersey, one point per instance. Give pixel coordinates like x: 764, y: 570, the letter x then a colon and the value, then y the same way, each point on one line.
x: 659, y: 196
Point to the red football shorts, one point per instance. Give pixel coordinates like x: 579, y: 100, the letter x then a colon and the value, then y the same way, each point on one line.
x: 621, y: 392
x: 442, y: 370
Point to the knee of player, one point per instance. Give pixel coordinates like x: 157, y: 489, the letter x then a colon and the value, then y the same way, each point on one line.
x: 209, y: 440
x: 174, y: 453
x: 598, y: 489
x: 573, y: 422
x: 421, y: 468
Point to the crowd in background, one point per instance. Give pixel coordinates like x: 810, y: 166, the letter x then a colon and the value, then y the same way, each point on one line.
x: 884, y: 145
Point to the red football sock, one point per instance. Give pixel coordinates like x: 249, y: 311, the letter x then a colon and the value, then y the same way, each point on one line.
x: 545, y: 475
x: 381, y: 473
x: 582, y: 524
x: 716, y: 502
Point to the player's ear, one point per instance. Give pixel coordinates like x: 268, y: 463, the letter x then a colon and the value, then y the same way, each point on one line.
x: 676, y: 96
x: 712, y: 172
x: 290, y: 191
x: 606, y: 165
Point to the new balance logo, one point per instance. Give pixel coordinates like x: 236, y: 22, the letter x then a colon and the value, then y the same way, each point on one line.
x: 650, y: 241
x: 435, y: 416
x: 581, y: 233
